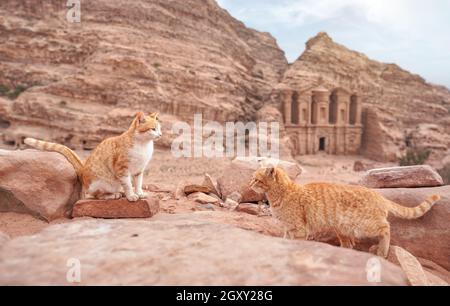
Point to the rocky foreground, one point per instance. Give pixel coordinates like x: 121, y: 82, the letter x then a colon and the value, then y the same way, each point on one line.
x: 182, y: 249
x: 208, y: 232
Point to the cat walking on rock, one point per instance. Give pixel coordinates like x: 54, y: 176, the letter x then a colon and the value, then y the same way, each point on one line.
x: 350, y: 211
x: 116, y: 163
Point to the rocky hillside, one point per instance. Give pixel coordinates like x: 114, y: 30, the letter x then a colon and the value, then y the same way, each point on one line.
x: 76, y: 83
x: 405, y: 108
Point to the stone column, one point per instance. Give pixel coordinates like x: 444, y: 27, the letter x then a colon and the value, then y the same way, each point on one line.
x: 358, y: 111
x: 343, y: 102
x: 287, y: 97
x: 321, y: 98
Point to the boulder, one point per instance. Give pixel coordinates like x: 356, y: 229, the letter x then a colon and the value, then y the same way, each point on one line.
x: 402, y: 177
x: 150, y: 252
x: 202, y: 198
x: 427, y: 237
x: 114, y: 209
x: 416, y: 274
x: 43, y: 184
x: 193, y: 188
x: 238, y: 176
x: 249, y: 208
x: 211, y: 183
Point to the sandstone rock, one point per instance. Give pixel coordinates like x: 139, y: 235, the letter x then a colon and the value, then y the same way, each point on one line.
x: 428, y: 236
x: 230, y: 204
x: 238, y: 176
x: 179, y: 190
x: 249, y: 208
x: 402, y: 177
x: 202, y: 198
x: 400, y: 100
x: 39, y: 183
x: 114, y: 209
x: 211, y: 183
x: 417, y: 276
x: 3, y: 239
x: 179, y: 57
x: 360, y: 166
x: 206, y: 255
x: 157, y: 188
x: 235, y: 196
x: 188, y: 189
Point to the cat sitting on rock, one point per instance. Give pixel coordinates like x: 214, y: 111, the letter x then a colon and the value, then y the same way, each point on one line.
x: 117, y: 163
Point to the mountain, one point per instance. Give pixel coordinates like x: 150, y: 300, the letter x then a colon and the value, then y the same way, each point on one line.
x: 400, y: 108
x: 80, y: 82
x: 77, y: 83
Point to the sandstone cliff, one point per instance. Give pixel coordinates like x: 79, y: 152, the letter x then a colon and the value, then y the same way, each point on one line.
x: 77, y: 83
x: 83, y: 81
x: 403, y: 105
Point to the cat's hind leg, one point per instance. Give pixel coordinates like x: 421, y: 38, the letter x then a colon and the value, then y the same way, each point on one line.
x: 103, y: 190
x: 346, y: 242
x: 110, y: 196
x: 384, y: 234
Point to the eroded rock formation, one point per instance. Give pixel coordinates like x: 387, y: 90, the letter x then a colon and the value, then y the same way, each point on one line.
x: 77, y: 83
x: 399, y: 106
x: 84, y: 81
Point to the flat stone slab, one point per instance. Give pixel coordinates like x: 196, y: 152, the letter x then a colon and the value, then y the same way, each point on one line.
x: 402, y: 177
x: 180, y: 250
x: 116, y: 209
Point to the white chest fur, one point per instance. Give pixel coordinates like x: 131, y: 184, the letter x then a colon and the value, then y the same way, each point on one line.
x: 139, y: 157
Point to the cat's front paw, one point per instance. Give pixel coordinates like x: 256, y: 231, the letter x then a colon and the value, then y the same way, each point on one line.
x: 142, y: 194
x: 132, y: 197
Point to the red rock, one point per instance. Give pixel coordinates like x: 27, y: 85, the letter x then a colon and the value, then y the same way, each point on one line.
x: 211, y: 183
x: 410, y: 99
x: 416, y: 274
x: 114, y: 209
x: 182, y: 249
x: 249, y: 208
x: 193, y: 188
x: 238, y: 176
x: 202, y: 198
x: 43, y: 184
x: 95, y: 100
x: 3, y: 239
x: 402, y: 177
x: 427, y: 237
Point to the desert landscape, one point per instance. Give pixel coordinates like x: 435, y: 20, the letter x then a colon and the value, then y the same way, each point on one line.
x: 343, y: 117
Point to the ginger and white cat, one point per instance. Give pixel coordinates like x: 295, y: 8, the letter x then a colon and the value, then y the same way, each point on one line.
x: 116, y: 163
x: 350, y: 211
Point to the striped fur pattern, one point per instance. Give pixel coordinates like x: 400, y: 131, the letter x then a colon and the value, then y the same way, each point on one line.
x: 351, y: 212
x: 117, y: 164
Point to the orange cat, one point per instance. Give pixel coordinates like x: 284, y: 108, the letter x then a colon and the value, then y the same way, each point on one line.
x: 350, y: 211
x: 115, y: 162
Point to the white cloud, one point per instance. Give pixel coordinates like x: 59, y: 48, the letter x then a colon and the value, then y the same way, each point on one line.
x: 411, y: 33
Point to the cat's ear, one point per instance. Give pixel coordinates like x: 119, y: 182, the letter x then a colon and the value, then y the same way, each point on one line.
x: 155, y: 115
x: 140, y: 118
x: 270, y: 171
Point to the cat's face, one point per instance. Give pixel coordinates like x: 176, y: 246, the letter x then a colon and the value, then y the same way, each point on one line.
x: 147, y: 127
x: 262, y: 180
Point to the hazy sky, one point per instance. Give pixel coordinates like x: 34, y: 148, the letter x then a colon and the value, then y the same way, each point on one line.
x: 415, y: 34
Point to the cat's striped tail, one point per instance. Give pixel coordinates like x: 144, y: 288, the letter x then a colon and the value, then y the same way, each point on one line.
x: 70, y: 155
x: 414, y: 212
